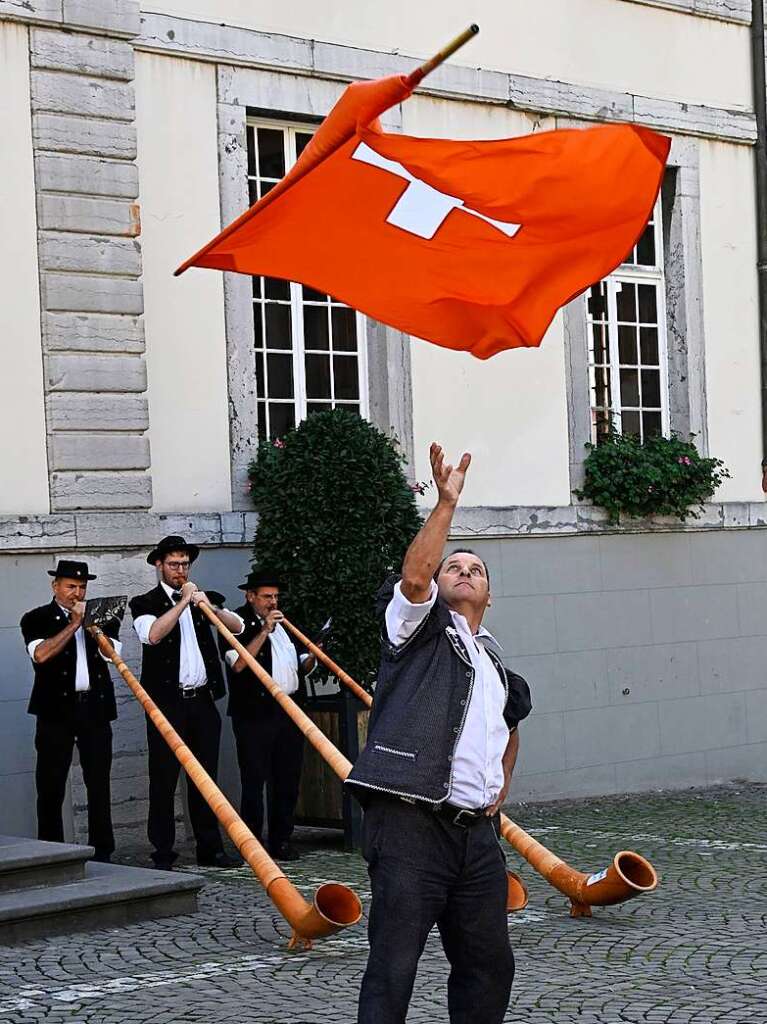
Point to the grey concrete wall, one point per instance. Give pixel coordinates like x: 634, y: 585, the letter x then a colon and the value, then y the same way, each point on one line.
x: 645, y: 654
x: 646, y: 657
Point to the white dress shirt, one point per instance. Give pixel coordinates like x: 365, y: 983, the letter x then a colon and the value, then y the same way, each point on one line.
x: 477, y: 767
x: 284, y: 660
x: 191, y: 672
x: 82, y: 676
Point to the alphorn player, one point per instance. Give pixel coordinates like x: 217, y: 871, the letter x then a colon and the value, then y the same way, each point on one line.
x: 181, y: 672
x: 434, y: 773
x: 74, y: 701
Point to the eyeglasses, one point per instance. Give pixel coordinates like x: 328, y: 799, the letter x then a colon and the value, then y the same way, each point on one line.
x: 179, y: 566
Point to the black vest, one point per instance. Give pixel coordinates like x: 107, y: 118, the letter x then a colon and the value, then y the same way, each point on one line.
x: 53, y: 692
x: 248, y: 697
x: 160, y: 663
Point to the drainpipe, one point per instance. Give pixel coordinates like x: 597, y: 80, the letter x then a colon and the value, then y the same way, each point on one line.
x: 760, y: 110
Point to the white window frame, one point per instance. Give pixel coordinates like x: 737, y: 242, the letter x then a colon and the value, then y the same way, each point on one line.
x: 630, y: 273
x: 299, y: 400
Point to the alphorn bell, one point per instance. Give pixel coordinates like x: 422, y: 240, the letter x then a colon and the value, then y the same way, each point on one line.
x: 628, y: 875
x: 516, y: 895
x: 334, y: 906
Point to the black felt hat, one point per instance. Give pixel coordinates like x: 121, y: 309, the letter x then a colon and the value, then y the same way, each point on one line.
x: 261, y: 578
x: 168, y: 544
x: 71, y: 571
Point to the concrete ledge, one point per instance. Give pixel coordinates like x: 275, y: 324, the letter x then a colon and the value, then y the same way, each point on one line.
x: 26, y: 863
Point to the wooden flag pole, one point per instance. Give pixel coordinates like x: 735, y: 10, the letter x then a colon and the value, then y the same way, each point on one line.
x: 439, y: 58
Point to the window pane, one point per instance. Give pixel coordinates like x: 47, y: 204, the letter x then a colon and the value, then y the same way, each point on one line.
x: 600, y: 353
x: 281, y: 420
x: 251, y: 137
x: 260, y: 375
x: 271, y: 153
x: 275, y: 288
x: 346, y: 377
x: 627, y: 344
x: 648, y: 309
x: 602, y: 421
x: 258, y: 339
x: 280, y: 375
x: 316, y: 327
x: 266, y: 186
x: 317, y: 376
x: 602, y: 397
x: 648, y: 344
x: 344, y: 329
x: 317, y: 407
x: 646, y: 248
x: 598, y: 302
x: 252, y: 192
x: 651, y: 421
x: 629, y: 387
x: 310, y: 295
x: 626, y: 301
x: 257, y: 283
x: 278, y: 326
x: 261, y: 421
x: 651, y: 388
x: 302, y: 140
x: 630, y: 423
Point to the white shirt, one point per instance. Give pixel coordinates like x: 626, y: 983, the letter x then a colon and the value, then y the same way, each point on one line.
x: 82, y: 676
x: 284, y: 660
x: 477, y: 768
x: 191, y: 672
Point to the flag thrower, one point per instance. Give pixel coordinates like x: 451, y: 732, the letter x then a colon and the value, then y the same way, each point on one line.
x: 628, y: 875
x: 334, y: 906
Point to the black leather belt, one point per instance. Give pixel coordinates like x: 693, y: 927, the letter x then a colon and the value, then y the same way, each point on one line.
x: 187, y: 692
x: 82, y: 695
x: 460, y: 816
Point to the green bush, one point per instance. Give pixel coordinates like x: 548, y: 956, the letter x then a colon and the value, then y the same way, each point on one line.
x: 662, y: 476
x: 336, y: 515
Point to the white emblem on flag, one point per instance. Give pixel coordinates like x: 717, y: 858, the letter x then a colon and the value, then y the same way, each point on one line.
x: 421, y: 209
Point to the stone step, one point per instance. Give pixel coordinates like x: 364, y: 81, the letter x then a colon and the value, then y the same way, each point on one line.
x: 108, y: 896
x: 26, y: 863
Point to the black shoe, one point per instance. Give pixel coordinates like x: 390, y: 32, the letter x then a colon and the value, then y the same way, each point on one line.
x: 162, y: 865
x: 100, y: 857
x: 219, y: 860
x: 284, y: 851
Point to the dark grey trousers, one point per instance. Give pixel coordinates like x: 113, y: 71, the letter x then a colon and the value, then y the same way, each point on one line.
x: 426, y: 871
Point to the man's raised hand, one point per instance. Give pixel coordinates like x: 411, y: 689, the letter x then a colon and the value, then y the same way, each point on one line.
x: 449, y: 480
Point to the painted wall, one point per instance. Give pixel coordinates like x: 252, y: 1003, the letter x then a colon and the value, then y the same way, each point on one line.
x: 667, y: 54
x: 731, y: 315
x: 184, y: 317
x: 23, y: 463
x: 509, y: 411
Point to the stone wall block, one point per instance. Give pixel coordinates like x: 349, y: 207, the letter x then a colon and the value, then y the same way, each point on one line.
x: 32, y: 10
x: 117, y: 16
x: 71, y: 491
x: 91, y: 176
x: 91, y: 293
x: 99, y: 451
x: 63, y: 133
x: 95, y: 254
x: 90, y: 216
x: 92, y: 332
x: 61, y: 93
x: 697, y: 120
x: 69, y: 372
x: 68, y: 411
x: 82, y: 54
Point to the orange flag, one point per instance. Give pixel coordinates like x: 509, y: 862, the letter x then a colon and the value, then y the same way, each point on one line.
x: 471, y: 245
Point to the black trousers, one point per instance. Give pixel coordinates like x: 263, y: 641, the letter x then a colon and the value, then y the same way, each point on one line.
x: 426, y: 871
x: 197, y: 721
x: 54, y: 742
x: 270, y: 751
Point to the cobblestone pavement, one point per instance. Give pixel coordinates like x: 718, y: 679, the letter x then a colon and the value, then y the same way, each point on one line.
x: 694, y: 952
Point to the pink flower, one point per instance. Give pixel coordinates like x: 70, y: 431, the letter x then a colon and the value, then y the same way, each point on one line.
x: 278, y: 442
x: 684, y: 460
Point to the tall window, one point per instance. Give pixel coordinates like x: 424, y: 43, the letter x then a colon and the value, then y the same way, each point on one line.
x: 310, y: 351
x: 628, y: 364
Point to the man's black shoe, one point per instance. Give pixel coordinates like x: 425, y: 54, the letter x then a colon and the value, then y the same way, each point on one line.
x: 100, y: 857
x: 162, y: 865
x: 285, y: 852
x: 219, y: 860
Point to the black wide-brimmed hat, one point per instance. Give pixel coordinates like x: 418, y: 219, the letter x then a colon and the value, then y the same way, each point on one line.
x: 261, y: 578
x: 71, y: 571
x: 172, y: 543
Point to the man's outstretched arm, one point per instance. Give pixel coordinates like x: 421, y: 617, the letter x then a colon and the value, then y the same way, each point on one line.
x: 425, y: 553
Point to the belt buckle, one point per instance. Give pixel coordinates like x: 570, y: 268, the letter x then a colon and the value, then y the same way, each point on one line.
x: 471, y: 815
x: 187, y: 692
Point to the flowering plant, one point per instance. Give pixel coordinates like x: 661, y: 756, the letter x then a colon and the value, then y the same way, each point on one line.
x: 661, y: 476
